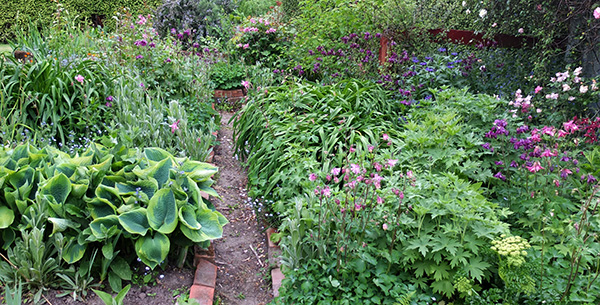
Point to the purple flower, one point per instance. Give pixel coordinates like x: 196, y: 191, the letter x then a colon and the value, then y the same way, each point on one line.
x: 140, y: 43
x: 310, y: 52
x: 499, y: 163
x: 139, y: 57
x: 173, y: 31
x: 442, y: 49
x: 500, y: 176
x: 591, y: 179
x: 152, y: 45
x: 487, y: 146
x: 109, y: 98
x: 108, y: 104
x: 514, y: 164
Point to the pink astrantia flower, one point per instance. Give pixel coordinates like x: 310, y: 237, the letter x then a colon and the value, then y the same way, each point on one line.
x: 536, y: 167
x: 79, y: 78
x: 312, y: 177
x: 174, y: 126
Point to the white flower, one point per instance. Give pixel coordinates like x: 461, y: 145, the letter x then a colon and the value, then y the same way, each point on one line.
x: 571, y: 98
x: 566, y: 87
x: 583, y: 89
x: 577, y: 71
x: 464, y: 3
x: 468, y: 11
x: 482, y: 13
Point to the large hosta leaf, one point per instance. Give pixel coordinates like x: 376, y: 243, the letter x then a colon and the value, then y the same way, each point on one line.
x: 7, y: 216
x: 105, y: 227
x: 156, y: 154
x: 162, y: 211
x: 73, y: 252
x: 152, y: 250
x: 159, y: 171
x: 58, y: 187
x: 198, y: 171
x: 135, y: 221
x: 211, y: 226
x: 187, y: 216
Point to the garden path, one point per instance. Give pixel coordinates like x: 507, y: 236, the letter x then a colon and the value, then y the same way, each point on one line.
x: 243, y: 275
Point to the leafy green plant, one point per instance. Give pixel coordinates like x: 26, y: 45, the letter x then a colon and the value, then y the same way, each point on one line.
x: 13, y: 297
x: 109, y: 299
x: 78, y: 282
x: 104, y: 199
x: 227, y: 75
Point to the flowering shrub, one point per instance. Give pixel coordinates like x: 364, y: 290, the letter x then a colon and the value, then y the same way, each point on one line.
x: 261, y: 39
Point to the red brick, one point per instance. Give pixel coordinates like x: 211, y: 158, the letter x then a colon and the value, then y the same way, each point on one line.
x: 207, y: 254
x: 204, y: 295
x: 277, y: 277
x: 206, y: 274
x: 270, y: 232
x: 204, y: 195
x: 211, y: 156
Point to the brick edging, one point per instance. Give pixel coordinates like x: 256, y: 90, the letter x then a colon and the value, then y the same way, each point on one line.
x: 275, y: 262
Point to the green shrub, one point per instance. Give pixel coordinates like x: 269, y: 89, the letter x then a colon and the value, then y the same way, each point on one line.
x: 227, y: 75
x: 16, y: 15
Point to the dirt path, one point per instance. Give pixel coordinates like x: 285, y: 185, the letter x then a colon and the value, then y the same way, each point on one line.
x: 243, y: 276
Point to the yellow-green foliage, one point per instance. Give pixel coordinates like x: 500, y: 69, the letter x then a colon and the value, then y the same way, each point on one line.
x: 16, y: 14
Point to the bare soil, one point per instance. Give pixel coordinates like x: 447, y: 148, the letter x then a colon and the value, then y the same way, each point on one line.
x: 243, y: 276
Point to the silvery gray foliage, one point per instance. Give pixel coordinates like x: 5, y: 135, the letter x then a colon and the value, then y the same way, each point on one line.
x: 192, y: 19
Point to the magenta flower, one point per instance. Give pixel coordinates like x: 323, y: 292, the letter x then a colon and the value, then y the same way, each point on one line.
x: 371, y: 148
x: 384, y: 226
x: 199, y: 140
x: 570, y: 126
x: 538, y: 89
x: 379, y: 200
x: 355, y: 168
x: 536, y: 167
x: 377, y: 181
x: 392, y: 162
x: 386, y: 137
x: 246, y: 84
x: 79, y: 78
x: 174, y: 126
x: 597, y: 13
x: 312, y: 177
x: 326, y: 192
x: 335, y: 171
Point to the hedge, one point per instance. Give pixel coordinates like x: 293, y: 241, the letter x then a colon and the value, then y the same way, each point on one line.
x: 16, y: 14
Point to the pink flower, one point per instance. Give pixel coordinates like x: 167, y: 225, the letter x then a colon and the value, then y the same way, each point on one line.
x: 199, y: 140
x: 556, y: 182
x: 312, y: 177
x: 570, y: 126
x: 377, y: 166
x: 597, y: 13
x: 379, y: 200
x: 521, y: 31
x: 335, y: 171
x: 384, y: 226
x: 401, y: 195
x: 79, y: 78
x: 174, y: 126
x: 377, y: 181
x: 409, y: 174
x: 392, y: 162
x: 326, y: 192
x: 355, y: 168
x: 386, y: 137
x: 371, y: 148
x: 246, y: 84
x: 538, y: 89
x: 536, y: 167
x: 245, y: 46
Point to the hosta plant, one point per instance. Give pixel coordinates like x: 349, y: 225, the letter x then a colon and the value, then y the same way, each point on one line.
x: 116, y: 200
